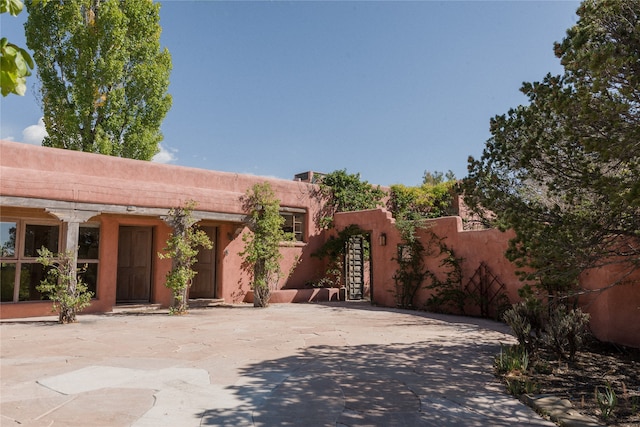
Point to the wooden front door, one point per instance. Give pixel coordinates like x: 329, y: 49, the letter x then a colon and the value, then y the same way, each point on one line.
x: 135, y: 257
x: 204, y: 284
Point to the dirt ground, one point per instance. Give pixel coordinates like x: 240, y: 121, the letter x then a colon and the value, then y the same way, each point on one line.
x: 596, y: 366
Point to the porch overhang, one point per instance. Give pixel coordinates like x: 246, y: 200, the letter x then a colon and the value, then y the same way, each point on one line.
x: 61, y: 207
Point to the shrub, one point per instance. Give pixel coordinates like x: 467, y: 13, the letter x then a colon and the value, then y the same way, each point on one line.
x: 565, y: 331
x: 555, y: 328
x: 521, y: 317
x: 63, y: 285
x: 182, y: 247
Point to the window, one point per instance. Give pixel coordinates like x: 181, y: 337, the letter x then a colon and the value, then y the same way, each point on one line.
x: 7, y: 278
x: 8, y: 239
x: 20, y: 273
x: 36, y: 236
x: 19, y: 270
x: 7, y: 252
x: 405, y: 253
x: 88, y: 244
x: 294, y: 222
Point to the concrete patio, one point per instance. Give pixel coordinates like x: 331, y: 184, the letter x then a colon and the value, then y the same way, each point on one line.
x: 331, y: 364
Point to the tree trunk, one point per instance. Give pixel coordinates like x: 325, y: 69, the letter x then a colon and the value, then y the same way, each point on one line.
x: 261, y: 291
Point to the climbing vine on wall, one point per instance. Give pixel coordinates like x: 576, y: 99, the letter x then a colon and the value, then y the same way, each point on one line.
x: 412, y: 273
x: 182, y: 247
x: 262, y: 246
x: 448, y: 294
x: 333, y: 251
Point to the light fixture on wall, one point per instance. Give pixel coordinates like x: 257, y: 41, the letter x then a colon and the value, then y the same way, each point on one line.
x: 382, y: 239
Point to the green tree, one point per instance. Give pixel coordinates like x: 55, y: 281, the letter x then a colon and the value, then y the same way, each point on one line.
x: 103, y: 76
x: 437, y: 177
x: 347, y: 193
x: 63, y: 285
x: 433, y: 199
x: 15, y: 62
x: 183, y: 247
x: 563, y: 171
x: 343, y: 192
x: 262, y: 246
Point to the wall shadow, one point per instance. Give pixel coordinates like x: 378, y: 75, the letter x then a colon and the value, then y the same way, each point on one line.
x: 453, y: 319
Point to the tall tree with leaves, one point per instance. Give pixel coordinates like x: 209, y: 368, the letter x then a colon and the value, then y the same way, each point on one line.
x: 15, y: 62
x: 563, y: 171
x: 103, y: 76
x: 346, y: 192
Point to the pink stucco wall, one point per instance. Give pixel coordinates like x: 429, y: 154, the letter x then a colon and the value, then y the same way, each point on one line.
x: 473, y: 246
x: 30, y: 171
x: 615, y: 313
x: 27, y: 171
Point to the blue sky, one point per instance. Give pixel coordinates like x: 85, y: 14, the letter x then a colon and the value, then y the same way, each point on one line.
x: 388, y: 89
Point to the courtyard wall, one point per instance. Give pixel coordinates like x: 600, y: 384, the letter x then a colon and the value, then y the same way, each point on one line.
x: 615, y: 312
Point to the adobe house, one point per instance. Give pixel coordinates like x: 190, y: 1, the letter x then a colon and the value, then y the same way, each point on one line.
x: 110, y: 210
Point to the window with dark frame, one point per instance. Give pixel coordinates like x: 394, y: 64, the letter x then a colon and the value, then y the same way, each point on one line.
x: 20, y: 273
x: 294, y: 222
x: 88, y: 245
